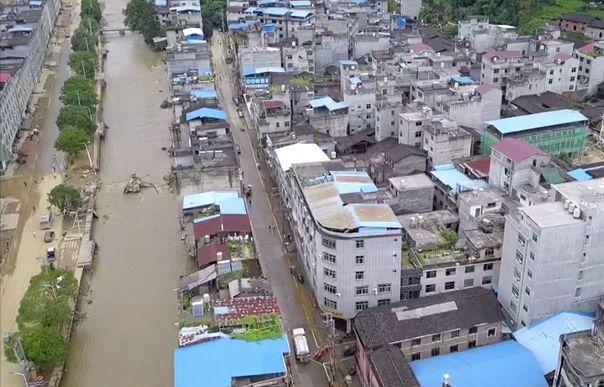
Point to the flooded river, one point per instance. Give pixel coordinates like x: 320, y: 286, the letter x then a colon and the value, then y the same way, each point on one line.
x: 129, y: 334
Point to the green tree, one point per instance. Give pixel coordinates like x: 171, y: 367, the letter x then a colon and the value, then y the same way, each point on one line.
x: 45, y: 346
x: 213, y: 15
x: 82, y: 40
x: 450, y: 30
x: 91, y: 8
x: 65, y: 198
x: 83, y: 63
x: 71, y: 140
x: 90, y: 24
x: 79, y: 91
x: 140, y: 16
x: 76, y: 116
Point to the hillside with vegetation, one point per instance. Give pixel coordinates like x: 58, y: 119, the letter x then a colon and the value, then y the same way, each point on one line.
x: 528, y: 15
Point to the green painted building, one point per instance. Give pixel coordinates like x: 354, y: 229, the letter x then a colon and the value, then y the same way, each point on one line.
x: 559, y: 133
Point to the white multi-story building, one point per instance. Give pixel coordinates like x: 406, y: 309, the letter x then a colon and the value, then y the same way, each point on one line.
x: 358, y: 86
x: 591, y: 68
x: 484, y: 36
x: 552, y: 256
x: 349, y: 245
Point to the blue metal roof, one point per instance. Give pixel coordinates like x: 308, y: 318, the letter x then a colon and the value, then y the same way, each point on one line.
x: 185, y: 8
x: 354, y: 80
x: 300, y: 3
x: 237, y: 26
x: 204, y: 94
x: 506, y: 364
x: 35, y: 3
x: 270, y: 27
x: 195, y: 40
x: 206, y: 112
x: 328, y: 103
x: 345, y: 186
x: 264, y: 70
x: 462, y: 80
x: 232, y: 206
x: 348, y: 63
x: 357, y: 2
x: 215, y: 363
x: 456, y: 180
x: 206, y: 198
x: 161, y: 3
x: 262, y: 3
x: 21, y: 29
x: 250, y: 10
x: 537, y: 120
x: 543, y: 338
x: 276, y: 11
x: 301, y: 13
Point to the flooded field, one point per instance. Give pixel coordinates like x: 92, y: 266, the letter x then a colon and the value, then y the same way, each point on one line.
x: 129, y: 333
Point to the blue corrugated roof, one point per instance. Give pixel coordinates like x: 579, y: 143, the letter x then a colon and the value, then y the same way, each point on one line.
x: 204, y: 93
x: 342, y: 180
x: 357, y: 2
x: 161, y: 3
x: 215, y: 363
x: 264, y: 70
x: 300, y: 3
x: 375, y: 225
x: 35, y: 3
x: 206, y: 112
x: 185, y: 8
x: 206, y: 198
x: 506, y: 364
x: 451, y: 177
x: 537, y: 120
x: 301, y: 13
x: 328, y: 102
x: 543, y: 338
x: 276, y: 11
x: 232, y: 206
x: 349, y: 63
x: 267, y: 2
x: 21, y: 29
x: 580, y: 174
x: 354, y: 80
x: 250, y: 10
x: 195, y: 40
x: 462, y: 80
x: 237, y: 26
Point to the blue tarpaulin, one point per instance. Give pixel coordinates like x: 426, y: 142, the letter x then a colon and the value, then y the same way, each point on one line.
x: 237, y: 26
x: 401, y: 21
x: 205, y: 112
x: 204, y: 94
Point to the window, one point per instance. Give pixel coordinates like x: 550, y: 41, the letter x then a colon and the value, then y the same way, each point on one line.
x: 361, y: 305
x: 534, y: 236
x: 525, y: 307
x: 329, y: 257
x: 487, y: 266
x: 416, y: 342
x: 581, y: 275
x: 368, y: 106
x: 529, y: 273
x: 450, y: 285
x: 516, y: 274
x: 468, y: 283
x: 362, y: 290
x: 384, y: 288
x: 532, y: 255
x: 455, y: 333
x: 573, y: 70
x: 550, y: 81
x: 472, y: 344
x: 359, y: 275
x: 454, y: 348
x: 527, y: 290
x: 418, y: 123
x: 450, y: 271
x: 328, y: 243
x: 515, y: 291
x: 473, y: 330
x: 496, y: 71
x: 519, y: 257
x: 330, y: 303
x: 436, y: 337
x: 431, y: 274
x: 416, y: 356
x: 385, y: 301
x: 513, y: 306
x: 329, y: 273
x: 430, y: 288
x: 521, y: 240
x: 487, y: 280
x: 491, y: 332
x: 330, y: 288
x: 359, y: 243
x: 578, y: 292
x: 418, y: 134
x: 469, y: 269
x: 359, y: 259
x: 495, y: 79
x: 286, y: 123
x: 435, y: 351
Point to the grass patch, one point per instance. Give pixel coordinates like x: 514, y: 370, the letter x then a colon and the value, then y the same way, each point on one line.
x: 258, y: 329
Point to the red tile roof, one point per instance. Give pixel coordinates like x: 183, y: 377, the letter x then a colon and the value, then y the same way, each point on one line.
x: 223, y: 225
x: 247, y: 306
x: 420, y: 47
x: 587, y: 48
x: 4, y: 77
x: 484, y: 88
x: 502, y: 54
x: 562, y: 57
x: 209, y: 254
x: 272, y: 104
x: 517, y: 149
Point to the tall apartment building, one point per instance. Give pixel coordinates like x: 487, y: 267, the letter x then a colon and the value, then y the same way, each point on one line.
x: 349, y: 245
x: 498, y: 66
x: 358, y: 87
x: 552, y: 254
x: 557, y: 132
x: 484, y: 36
x: 445, y: 143
x: 470, y: 105
x: 591, y: 68
x: 25, y: 34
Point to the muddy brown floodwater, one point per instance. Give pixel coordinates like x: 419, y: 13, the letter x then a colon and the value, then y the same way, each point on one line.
x: 129, y: 333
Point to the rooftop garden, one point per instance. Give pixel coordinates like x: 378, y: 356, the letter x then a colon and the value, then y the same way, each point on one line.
x: 259, y: 328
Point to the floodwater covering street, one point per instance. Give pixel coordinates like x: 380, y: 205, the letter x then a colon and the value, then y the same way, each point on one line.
x: 128, y: 335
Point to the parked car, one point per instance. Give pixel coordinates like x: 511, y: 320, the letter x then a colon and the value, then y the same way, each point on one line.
x: 49, y: 236
x: 238, y: 149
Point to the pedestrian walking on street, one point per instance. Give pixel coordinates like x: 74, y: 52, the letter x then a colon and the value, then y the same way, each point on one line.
x: 34, y: 208
x: 34, y: 234
x: 24, y: 182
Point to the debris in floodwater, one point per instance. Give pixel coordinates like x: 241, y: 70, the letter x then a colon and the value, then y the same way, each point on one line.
x: 165, y: 104
x: 135, y: 184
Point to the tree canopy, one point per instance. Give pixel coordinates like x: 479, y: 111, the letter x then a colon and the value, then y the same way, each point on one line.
x: 79, y: 91
x: 140, y: 16
x: 82, y: 40
x: 65, y: 198
x: 76, y: 116
x: 213, y: 15
x: 91, y: 8
x: 83, y: 63
x: 72, y: 140
x: 45, y: 346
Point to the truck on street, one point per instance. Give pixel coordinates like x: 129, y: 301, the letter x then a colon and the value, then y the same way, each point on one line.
x: 301, y: 345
